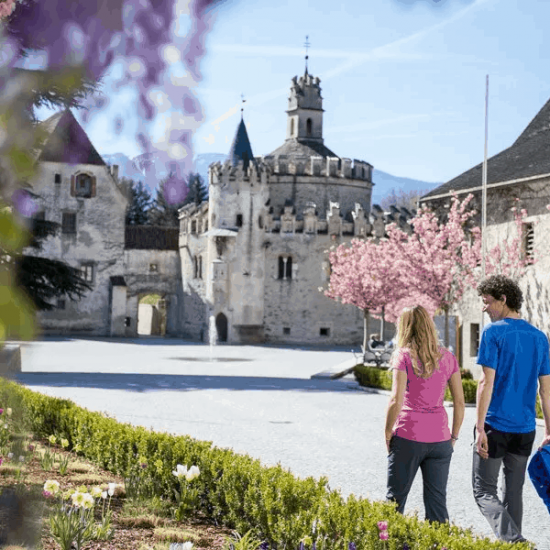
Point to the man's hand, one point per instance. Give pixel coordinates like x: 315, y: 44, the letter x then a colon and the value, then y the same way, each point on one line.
x: 482, y: 444
x: 545, y: 441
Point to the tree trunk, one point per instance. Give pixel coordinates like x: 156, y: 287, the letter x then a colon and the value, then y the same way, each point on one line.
x: 446, y: 327
x: 382, y: 325
x: 365, y: 330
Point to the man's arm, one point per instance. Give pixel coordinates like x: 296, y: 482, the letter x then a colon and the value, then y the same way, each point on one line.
x: 483, y: 398
x: 544, y: 392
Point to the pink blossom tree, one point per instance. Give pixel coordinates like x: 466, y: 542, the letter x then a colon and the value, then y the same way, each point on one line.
x: 364, y: 274
x: 508, y: 256
x: 440, y: 257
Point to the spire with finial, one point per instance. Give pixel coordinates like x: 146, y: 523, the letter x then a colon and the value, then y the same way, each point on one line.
x: 243, y: 101
x: 307, y: 45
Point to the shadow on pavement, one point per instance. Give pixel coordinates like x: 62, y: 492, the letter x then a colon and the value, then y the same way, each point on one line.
x: 174, y: 382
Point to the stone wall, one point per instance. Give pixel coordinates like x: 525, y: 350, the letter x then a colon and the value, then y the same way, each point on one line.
x: 164, y: 279
x: 98, y: 240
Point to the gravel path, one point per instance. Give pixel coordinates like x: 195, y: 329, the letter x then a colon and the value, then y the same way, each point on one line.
x: 260, y: 401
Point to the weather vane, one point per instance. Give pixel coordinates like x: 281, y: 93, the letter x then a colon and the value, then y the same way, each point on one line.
x: 243, y: 101
x: 307, y: 45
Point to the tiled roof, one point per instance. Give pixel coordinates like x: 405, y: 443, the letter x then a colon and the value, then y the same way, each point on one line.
x: 294, y: 148
x: 67, y: 142
x: 528, y: 156
x: 151, y: 237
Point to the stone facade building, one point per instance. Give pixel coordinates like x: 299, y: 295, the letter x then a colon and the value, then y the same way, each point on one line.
x: 252, y: 258
x: 522, y: 172
x: 75, y: 188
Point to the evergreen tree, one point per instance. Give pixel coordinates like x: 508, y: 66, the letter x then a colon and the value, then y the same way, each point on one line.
x: 44, y: 279
x: 170, y: 198
x: 140, y: 201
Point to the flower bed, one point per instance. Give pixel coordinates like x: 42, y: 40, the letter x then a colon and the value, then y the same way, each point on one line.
x: 269, y: 504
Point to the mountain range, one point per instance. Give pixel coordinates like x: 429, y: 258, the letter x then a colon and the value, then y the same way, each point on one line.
x: 139, y: 167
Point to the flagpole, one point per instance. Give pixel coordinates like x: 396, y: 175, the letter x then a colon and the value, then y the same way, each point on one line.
x: 484, y: 190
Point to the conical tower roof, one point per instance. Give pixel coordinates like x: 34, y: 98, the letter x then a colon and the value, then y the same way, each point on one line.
x: 240, y: 148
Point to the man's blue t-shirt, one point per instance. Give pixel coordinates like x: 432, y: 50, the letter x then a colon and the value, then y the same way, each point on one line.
x: 519, y: 354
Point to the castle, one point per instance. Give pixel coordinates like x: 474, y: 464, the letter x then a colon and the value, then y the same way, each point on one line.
x: 253, y: 257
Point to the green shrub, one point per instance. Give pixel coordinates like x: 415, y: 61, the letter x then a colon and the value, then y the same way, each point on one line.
x: 374, y: 377
x: 236, y: 490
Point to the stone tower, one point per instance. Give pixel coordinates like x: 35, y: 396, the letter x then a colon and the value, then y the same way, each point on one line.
x: 305, y: 110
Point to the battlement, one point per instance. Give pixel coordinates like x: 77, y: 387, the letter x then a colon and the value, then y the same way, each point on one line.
x: 194, y: 221
x: 282, y: 165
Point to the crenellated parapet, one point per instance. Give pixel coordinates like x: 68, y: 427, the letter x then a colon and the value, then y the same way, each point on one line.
x: 318, y: 166
x: 332, y: 223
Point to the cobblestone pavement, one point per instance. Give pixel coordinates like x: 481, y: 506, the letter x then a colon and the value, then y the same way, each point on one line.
x: 257, y: 400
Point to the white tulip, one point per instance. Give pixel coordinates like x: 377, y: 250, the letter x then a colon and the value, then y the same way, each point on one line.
x: 192, y: 473
x: 181, y: 471
x: 187, y: 545
x: 111, y: 490
x: 104, y: 495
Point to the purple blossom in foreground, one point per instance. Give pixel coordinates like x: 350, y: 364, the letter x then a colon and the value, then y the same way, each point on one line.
x: 383, y: 535
x: 24, y: 203
x: 264, y: 546
x: 351, y: 546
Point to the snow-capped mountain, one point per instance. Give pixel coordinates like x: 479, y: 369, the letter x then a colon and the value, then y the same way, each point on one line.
x: 146, y: 164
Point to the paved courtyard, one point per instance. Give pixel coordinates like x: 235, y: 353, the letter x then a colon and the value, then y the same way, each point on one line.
x: 257, y: 400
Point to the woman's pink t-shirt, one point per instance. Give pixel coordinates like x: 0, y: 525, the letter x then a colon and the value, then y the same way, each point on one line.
x: 423, y: 417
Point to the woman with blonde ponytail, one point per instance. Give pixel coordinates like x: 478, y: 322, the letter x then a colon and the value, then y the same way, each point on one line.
x: 417, y: 426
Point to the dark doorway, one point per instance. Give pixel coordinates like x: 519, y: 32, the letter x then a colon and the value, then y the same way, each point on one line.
x: 221, y: 327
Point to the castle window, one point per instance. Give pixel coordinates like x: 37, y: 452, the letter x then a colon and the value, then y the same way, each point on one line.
x: 239, y: 221
x: 83, y: 186
x: 193, y: 227
x: 153, y: 268
x: 308, y: 127
x: 324, y: 331
x: 196, y: 267
x: 200, y: 267
x: 68, y: 223
x: 528, y: 238
x: 286, y: 331
x: 87, y: 271
x: 291, y: 127
x: 474, y: 339
x: 57, y: 178
x: 285, y: 267
x: 260, y: 222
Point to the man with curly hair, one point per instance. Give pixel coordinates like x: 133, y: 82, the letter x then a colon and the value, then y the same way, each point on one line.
x: 514, y: 356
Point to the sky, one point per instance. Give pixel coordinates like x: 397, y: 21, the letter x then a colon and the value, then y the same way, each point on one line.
x: 403, y: 81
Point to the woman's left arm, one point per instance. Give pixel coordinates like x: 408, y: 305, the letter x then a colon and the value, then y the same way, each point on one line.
x: 399, y: 383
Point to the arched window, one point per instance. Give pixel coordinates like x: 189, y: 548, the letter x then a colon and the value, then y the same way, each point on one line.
x: 291, y: 127
x: 83, y: 187
x: 193, y: 227
x: 196, y: 267
x: 308, y: 126
x: 260, y: 222
x: 200, y: 267
x: 285, y: 267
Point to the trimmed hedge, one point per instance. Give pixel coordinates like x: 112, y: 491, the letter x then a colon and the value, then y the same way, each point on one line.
x: 376, y: 377
x: 236, y: 490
